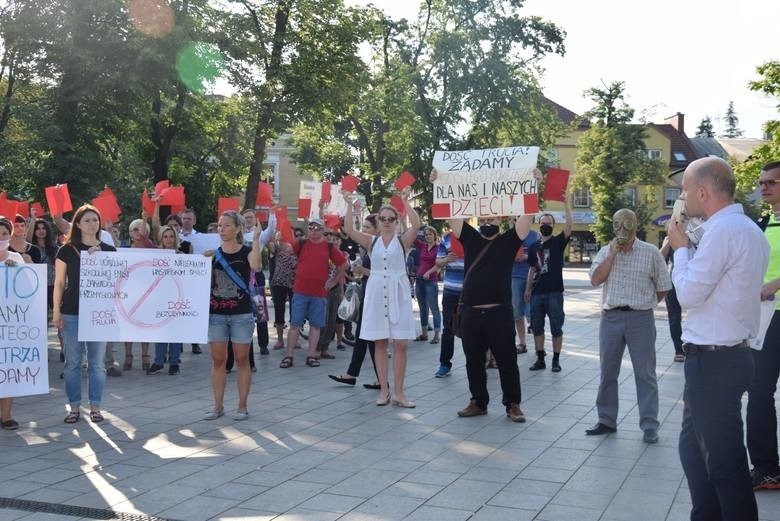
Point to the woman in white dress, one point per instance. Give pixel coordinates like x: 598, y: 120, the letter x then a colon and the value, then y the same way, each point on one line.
x: 387, y: 304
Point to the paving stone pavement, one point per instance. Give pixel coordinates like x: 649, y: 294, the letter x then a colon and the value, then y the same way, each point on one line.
x: 315, y: 450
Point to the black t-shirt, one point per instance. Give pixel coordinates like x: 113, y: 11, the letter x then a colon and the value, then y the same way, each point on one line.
x: 72, y: 259
x: 547, y: 257
x: 32, y: 251
x: 226, y: 297
x: 490, y: 282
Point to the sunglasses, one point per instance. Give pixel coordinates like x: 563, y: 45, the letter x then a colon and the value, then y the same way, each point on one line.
x: 768, y: 183
x: 314, y: 227
x: 387, y: 219
x: 328, y: 234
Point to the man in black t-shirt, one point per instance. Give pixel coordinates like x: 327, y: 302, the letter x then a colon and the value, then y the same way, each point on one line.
x: 487, y: 318
x: 544, y: 288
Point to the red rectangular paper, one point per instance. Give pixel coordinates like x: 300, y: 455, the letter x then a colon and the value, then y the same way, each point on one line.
x: 530, y: 203
x: 456, y: 247
x: 8, y: 209
x: 304, y: 208
x: 109, y: 210
x: 281, y: 214
x: 332, y: 221
x: 265, y: 194
x: 440, y: 210
x: 161, y: 187
x: 58, y: 199
x: 23, y: 209
x: 146, y: 203
x: 177, y: 208
x: 555, y: 184
x: 349, y: 183
x: 325, y: 196
x: 397, y: 203
x: 225, y: 204
x: 173, y: 196
x: 404, y: 180
x: 38, y: 209
x: 262, y: 216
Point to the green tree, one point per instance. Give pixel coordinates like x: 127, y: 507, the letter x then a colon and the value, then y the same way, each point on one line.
x: 705, y: 128
x: 732, y: 123
x: 610, y: 155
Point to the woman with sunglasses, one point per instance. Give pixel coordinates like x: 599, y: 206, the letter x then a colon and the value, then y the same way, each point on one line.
x: 387, y: 308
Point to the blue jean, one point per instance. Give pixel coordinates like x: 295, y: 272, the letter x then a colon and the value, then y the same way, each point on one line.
x: 160, y: 349
x: 428, y: 298
x: 550, y: 304
x: 74, y: 354
x: 519, y: 305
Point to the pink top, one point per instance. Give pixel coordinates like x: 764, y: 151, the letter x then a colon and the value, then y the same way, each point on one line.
x: 427, y: 259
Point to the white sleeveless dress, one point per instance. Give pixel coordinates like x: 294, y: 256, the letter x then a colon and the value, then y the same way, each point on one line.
x: 387, y: 304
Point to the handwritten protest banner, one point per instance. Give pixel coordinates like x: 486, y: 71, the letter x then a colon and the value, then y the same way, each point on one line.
x: 485, y: 183
x: 24, y: 368
x: 144, y: 297
x: 313, y: 190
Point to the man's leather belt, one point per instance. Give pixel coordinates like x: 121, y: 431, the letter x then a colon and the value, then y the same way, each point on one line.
x: 696, y: 348
x: 620, y: 308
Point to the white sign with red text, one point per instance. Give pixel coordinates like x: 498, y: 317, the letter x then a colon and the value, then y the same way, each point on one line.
x: 144, y: 297
x: 485, y: 183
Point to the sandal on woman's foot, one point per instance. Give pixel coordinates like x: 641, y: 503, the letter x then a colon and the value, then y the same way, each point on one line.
x: 145, y: 364
x: 312, y: 361
x: 213, y: 415
x: 286, y: 362
x: 95, y: 416
x: 241, y: 415
x: 349, y: 380
x: 128, y: 363
x: 72, y: 417
x: 421, y: 338
x: 374, y: 385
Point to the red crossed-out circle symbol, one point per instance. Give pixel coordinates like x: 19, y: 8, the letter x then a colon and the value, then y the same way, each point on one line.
x: 129, y: 314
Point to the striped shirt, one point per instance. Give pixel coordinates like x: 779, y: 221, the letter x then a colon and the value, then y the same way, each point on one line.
x: 453, y: 274
x: 635, y: 278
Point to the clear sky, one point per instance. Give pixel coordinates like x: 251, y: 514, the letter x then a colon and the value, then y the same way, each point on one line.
x: 689, y: 56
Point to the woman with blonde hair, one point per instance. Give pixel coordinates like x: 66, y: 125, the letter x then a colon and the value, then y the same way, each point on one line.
x: 387, y: 308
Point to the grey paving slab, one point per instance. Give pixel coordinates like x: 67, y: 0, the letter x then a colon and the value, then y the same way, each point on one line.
x: 314, y: 449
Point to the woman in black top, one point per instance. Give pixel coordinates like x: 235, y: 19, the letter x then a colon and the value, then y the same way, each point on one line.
x: 84, y: 236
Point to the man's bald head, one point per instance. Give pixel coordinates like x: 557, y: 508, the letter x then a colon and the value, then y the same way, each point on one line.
x: 716, y: 174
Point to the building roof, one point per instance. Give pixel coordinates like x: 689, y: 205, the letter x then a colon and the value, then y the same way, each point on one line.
x: 565, y: 115
x: 740, y: 149
x: 682, y: 152
x: 707, y: 146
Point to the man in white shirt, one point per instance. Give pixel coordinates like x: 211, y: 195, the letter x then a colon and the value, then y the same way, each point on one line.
x: 719, y: 286
x: 187, y: 223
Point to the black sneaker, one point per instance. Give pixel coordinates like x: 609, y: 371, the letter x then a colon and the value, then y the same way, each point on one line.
x: 196, y: 349
x: 349, y: 336
x: 113, y: 371
x: 765, y: 480
x: 173, y: 369
x: 556, y: 367
x: 264, y: 351
x: 538, y: 365
x: 154, y: 369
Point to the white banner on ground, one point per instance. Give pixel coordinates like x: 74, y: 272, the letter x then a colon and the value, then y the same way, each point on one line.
x: 485, y: 183
x: 144, y: 297
x: 24, y: 367
x: 204, y: 242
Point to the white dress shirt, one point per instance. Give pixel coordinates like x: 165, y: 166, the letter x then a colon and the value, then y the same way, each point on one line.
x: 719, y: 284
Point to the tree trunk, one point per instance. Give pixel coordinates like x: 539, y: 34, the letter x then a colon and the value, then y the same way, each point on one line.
x: 5, y: 115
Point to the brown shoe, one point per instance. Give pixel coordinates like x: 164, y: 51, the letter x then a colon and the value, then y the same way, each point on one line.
x: 472, y: 409
x: 514, y: 413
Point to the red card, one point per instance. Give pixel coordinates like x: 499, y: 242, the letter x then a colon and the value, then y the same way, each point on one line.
x: 404, y: 180
x: 349, y: 183
x: 555, y: 184
x: 225, y: 204
x: 8, y: 209
x: 146, y: 203
x: 332, y: 221
x: 177, y: 208
x: 440, y: 211
x: 38, y: 209
x: 265, y: 194
x: 398, y: 203
x: 23, y: 209
x: 108, y: 208
x: 58, y: 199
x: 281, y: 214
x: 530, y: 203
x: 161, y: 187
x: 173, y: 196
x: 262, y: 216
x: 325, y: 191
x: 456, y: 247
x: 304, y: 208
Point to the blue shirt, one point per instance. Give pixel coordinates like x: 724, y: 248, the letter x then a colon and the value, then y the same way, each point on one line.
x: 520, y: 268
x: 453, y: 273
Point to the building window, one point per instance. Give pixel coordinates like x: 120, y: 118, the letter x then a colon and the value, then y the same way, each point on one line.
x: 629, y: 194
x: 670, y: 196
x: 581, y: 198
x: 653, y: 153
x: 679, y: 156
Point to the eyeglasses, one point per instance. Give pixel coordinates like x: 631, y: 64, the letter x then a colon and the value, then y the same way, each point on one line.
x: 328, y: 234
x: 314, y: 227
x: 768, y: 183
x: 387, y: 219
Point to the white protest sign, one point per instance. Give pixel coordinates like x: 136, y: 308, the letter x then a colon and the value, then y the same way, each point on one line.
x: 313, y: 190
x: 485, y: 183
x: 24, y: 367
x: 144, y: 297
x: 204, y: 242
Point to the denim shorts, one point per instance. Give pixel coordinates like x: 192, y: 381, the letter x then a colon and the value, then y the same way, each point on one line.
x: 238, y: 328
x: 315, y: 309
x: 521, y: 307
x: 550, y: 304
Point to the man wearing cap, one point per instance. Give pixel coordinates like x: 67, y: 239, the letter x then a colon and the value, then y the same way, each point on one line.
x: 311, y: 287
x: 635, y: 280
x: 719, y: 285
